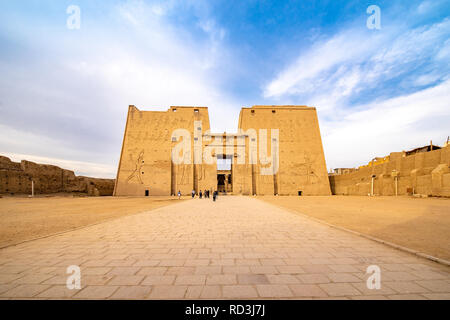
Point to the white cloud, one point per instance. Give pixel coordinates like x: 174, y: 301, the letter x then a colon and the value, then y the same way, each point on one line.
x: 353, y: 66
x: 70, y: 98
x: 76, y: 110
x: 14, y: 142
x: 426, y: 79
x: 430, y: 6
x: 382, y: 127
x: 89, y: 169
x: 334, y: 70
x: 307, y: 72
x: 164, y: 66
x: 444, y: 52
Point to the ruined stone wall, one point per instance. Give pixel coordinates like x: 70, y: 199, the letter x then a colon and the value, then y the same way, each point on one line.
x: 426, y: 173
x: 15, y: 178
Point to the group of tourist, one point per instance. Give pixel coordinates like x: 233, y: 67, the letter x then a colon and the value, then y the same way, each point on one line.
x: 202, y: 194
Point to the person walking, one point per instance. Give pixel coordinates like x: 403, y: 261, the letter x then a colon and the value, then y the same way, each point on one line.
x: 179, y: 194
x: 214, y: 196
x: 193, y: 194
x: 200, y: 194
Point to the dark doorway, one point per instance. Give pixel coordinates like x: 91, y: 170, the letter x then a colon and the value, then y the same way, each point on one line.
x: 224, y: 173
x: 147, y: 193
x: 299, y: 193
x: 221, y: 182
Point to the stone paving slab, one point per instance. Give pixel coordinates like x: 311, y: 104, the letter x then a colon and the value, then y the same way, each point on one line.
x: 235, y: 248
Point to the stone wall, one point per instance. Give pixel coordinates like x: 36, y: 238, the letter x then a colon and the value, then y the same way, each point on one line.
x: 301, y: 163
x: 15, y: 178
x: 146, y: 168
x: 145, y: 163
x: 425, y: 173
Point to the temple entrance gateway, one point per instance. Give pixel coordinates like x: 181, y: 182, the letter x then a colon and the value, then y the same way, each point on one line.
x: 224, y: 173
x: 224, y: 181
x: 277, y: 150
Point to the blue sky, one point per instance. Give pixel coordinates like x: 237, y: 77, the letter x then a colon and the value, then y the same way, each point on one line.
x: 64, y: 93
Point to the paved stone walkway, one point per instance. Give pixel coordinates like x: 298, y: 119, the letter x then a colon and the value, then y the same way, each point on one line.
x: 236, y: 248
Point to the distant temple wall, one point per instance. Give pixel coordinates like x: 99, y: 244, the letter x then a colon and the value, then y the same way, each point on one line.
x: 425, y: 173
x: 17, y: 177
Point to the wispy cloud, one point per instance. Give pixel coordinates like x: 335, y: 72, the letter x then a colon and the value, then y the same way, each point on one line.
x: 76, y: 103
x: 376, y: 92
x: 381, y: 127
x: 312, y: 68
x: 64, y: 93
x: 355, y: 61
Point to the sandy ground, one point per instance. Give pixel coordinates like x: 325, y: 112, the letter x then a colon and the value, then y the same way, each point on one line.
x: 234, y: 248
x: 29, y: 218
x: 420, y: 224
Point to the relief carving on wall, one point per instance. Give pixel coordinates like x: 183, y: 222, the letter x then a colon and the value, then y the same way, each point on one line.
x: 308, y: 171
x: 137, y: 172
x: 201, y: 173
x: 183, y: 174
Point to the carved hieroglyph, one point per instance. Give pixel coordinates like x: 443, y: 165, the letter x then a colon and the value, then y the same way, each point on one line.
x: 137, y: 172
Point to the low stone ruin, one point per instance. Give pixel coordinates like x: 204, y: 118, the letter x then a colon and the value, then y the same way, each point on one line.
x: 16, y: 178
